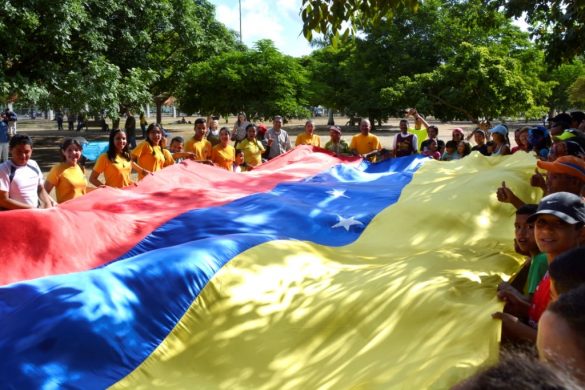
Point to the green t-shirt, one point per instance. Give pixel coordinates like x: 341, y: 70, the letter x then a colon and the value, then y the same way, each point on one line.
x: 421, y: 135
x: 538, y: 267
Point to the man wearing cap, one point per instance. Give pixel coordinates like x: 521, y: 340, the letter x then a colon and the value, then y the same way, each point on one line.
x: 565, y: 174
x: 559, y: 226
x: 276, y: 140
x: 336, y: 144
x: 502, y: 143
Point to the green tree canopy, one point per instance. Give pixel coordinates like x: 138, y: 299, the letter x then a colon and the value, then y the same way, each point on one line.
x: 101, y: 53
x: 262, y: 82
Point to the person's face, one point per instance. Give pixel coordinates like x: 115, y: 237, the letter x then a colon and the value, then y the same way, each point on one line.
x: 450, y: 149
x: 241, y: 118
x: 461, y: 148
x: 72, y: 154
x: 277, y: 124
x: 214, y: 124
x: 432, y: 132
x: 251, y: 133
x: 309, y: 128
x: 558, y: 149
x: 498, y: 138
x: 558, y: 182
x: 556, y: 344
x: 240, y: 158
x: 224, y: 137
x: 21, y: 154
x: 335, y: 136
x: 200, y: 130
x: 479, y: 138
x: 403, y: 126
x: 554, y: 236
x: 524, y: 234
x: 457, y: 137
x: 523, y: 139
x: 365, y: 127
x: 433, y: 147
x: 120, y: 141
x: 155, y: 135
x: 556, y: 129
x: 176, y: 147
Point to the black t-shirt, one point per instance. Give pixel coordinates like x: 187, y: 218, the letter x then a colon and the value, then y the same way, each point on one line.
x: 482, y: 149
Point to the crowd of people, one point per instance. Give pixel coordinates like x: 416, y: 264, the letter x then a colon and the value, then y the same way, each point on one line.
x: 543, y: 303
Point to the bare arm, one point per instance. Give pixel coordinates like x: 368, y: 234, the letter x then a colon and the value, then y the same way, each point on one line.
x: 45, y: 198
x: 94, y: 179
x: 11, y: 204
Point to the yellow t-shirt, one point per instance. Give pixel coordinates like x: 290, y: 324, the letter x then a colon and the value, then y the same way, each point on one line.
x: 252, y: 152
x: 306, y: 139
x: 421, y: 135
x: 365, y: 143
x: 169, y: 160
x: 117, y: 173
x: 149, y: 157
x: 223, y: 157
x: 201, y: 149
x: 69, y: 181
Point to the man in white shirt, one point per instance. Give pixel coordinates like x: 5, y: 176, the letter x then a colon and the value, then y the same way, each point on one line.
x: 21, y: 179
x: 276, y: 140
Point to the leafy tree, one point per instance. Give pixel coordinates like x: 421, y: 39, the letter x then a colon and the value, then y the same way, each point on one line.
x: 577, y: 92
x: 558, y: 25
x: 108, y: 55
x: 328, y: 16
x: 262, y: 82
x: 564, y: 76
x: 475, y: 84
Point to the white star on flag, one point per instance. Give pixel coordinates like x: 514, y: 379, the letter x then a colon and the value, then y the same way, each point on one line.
x: 347, y: 222
x: 337, y: 193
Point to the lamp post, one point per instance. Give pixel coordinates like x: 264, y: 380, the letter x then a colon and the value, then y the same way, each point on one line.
x: 240, y: 3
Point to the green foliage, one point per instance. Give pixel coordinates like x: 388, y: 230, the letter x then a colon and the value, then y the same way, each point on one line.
x: 474, y: 84
x: 262, y: 82
x: 559, y: 25
x: 577, y: 92
x: 327, y: 16
x: 403, y: 61
x: 564, y: 76
x: 102, y: 53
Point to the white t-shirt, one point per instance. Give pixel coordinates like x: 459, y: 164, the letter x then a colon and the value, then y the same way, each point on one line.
x: 26, y: 179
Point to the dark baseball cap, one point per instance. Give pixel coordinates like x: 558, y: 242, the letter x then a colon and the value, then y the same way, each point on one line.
x: 564, y: 205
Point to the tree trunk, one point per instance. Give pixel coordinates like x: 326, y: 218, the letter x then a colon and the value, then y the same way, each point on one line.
x: 330, y: 120
x: 158, y: 111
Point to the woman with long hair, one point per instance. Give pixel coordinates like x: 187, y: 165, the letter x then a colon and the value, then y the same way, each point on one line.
x: 116, y: 164
x: 67, y: 177
x: 149, y: 154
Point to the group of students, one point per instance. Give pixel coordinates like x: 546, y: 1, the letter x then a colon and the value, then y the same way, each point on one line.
x: 545, y: 301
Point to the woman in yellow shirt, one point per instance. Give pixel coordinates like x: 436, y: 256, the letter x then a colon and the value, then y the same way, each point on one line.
x: 115, y: 164
x: 308, y: 137
x: 251, y: 147
x: 149, y: 154
x: 67, y: 177
x: 223, y: 154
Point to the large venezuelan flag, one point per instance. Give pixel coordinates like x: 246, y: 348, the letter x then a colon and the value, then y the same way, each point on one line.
x: 312, y: 272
